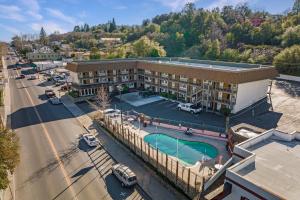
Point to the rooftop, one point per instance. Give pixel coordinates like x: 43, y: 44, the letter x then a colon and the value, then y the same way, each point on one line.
x: 208, y: 64
x: 276, y: 165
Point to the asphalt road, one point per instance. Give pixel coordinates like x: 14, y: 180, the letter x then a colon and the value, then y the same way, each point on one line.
x: 55, y: 162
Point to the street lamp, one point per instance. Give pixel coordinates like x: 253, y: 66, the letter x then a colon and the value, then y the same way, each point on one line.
x: 120, y: 88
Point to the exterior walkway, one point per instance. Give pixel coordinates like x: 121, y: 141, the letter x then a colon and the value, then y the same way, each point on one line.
x: 147, y: 179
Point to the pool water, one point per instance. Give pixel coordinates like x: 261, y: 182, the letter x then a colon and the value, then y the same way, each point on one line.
x: 189, y: 152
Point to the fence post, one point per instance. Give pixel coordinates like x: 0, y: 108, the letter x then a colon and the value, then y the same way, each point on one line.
x: 141, y: 147
x: 156, y: 158
x: 189, y: 176
x: 167, y: 157
x: 128, y: 137
x: 148, y: 152
x: 196, y: 182
x: 176, y: 171
x: 134, y: 143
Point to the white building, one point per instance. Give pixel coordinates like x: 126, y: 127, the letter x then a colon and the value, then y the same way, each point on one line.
x: 266, y: 167
x: 44, y: 53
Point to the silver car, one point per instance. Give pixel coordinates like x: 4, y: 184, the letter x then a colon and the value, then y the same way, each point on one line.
x: 124, y: 174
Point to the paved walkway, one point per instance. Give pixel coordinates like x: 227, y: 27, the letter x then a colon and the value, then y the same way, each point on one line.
x: 147, y: 179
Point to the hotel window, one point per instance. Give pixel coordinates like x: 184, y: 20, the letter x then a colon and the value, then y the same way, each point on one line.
x: 173, y: 76
x: 194, y: 80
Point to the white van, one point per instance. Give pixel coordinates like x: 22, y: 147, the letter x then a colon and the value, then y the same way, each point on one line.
x: 124, y: 174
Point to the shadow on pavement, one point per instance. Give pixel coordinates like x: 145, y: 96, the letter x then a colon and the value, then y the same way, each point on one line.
x: 64, y: 156
x: 26, y: 116
x: 83, y: 171
x: 114, y: 188
x: 289, y: 87
x: 83, y: 146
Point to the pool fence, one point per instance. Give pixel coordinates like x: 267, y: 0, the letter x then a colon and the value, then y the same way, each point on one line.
x: 178, y: 174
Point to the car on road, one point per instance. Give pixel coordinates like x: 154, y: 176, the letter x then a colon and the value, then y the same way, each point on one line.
x: 91, y: 140
x: 49, y: 93
x: 189, y: 107
x: 22, y: 76
x: 124, y: 174
x: 55, y: 101
x: 32, y: 77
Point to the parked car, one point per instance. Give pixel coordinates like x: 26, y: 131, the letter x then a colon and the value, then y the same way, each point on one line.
x: 22, y: 76
x: 91, y: 140
x: 55, y: 101
x: 49, y: 93
x: 189, y: 107
x: 111, y: 111
x: 32, y: 77
x: 124, y: 174
x: 64, y: 87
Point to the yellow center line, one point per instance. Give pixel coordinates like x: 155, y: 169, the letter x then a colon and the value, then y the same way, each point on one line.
x: 50, y: 142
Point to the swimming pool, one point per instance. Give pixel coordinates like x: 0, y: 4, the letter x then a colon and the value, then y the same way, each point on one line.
x: 189, y: 152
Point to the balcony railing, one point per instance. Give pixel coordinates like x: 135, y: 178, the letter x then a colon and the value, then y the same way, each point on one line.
x: 165, y: 75
x: 183, y: 88
x: 183, y: 79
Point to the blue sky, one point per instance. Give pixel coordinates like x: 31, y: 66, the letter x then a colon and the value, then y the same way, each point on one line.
x: 27, y: 16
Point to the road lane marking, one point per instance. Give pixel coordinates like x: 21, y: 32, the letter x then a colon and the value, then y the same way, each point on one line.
x: 50, y: 142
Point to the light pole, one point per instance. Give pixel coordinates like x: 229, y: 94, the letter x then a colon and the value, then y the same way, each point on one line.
x: 120, y: 88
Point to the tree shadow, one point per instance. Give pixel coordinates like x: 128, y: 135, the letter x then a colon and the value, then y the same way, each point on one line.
x: 83, y: 171
x: 290, y: 87
x: 64, y: 157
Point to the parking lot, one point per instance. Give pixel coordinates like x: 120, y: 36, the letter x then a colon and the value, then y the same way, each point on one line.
x: 165, y: 109
x: 285, y: 115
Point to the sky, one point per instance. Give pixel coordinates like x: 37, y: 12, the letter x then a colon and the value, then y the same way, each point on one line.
x: 28, y: 16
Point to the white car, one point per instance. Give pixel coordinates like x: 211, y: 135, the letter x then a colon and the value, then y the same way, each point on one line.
x: 124, y: 174
x: 189, y: 107
x: 32, y: 77
x: 55, y: 101
x: 111, y: 111
x: 91, y: 140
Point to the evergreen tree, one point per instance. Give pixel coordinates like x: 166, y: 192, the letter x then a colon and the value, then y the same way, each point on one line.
x: 43, y: 36
x: 112, y: 26
x: 86, y: 28
x: 76, y: 29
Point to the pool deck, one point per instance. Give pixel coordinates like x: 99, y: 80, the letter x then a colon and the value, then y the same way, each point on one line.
x: 199, y: 168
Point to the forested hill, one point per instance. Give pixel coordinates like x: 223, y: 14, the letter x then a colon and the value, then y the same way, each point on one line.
x: 236, y: 34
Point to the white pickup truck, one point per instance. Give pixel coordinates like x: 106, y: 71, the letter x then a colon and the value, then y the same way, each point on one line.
x: 189, y: 107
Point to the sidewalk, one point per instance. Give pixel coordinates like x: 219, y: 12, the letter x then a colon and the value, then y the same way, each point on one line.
x: 153, y: 185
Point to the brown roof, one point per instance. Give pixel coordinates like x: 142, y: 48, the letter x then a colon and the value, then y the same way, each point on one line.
x: 217, y: 73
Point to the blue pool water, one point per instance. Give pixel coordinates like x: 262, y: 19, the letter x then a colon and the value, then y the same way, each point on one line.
x: 189, y: 152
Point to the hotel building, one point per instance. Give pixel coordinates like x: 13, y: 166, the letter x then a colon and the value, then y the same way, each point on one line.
x: 212, y: 84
